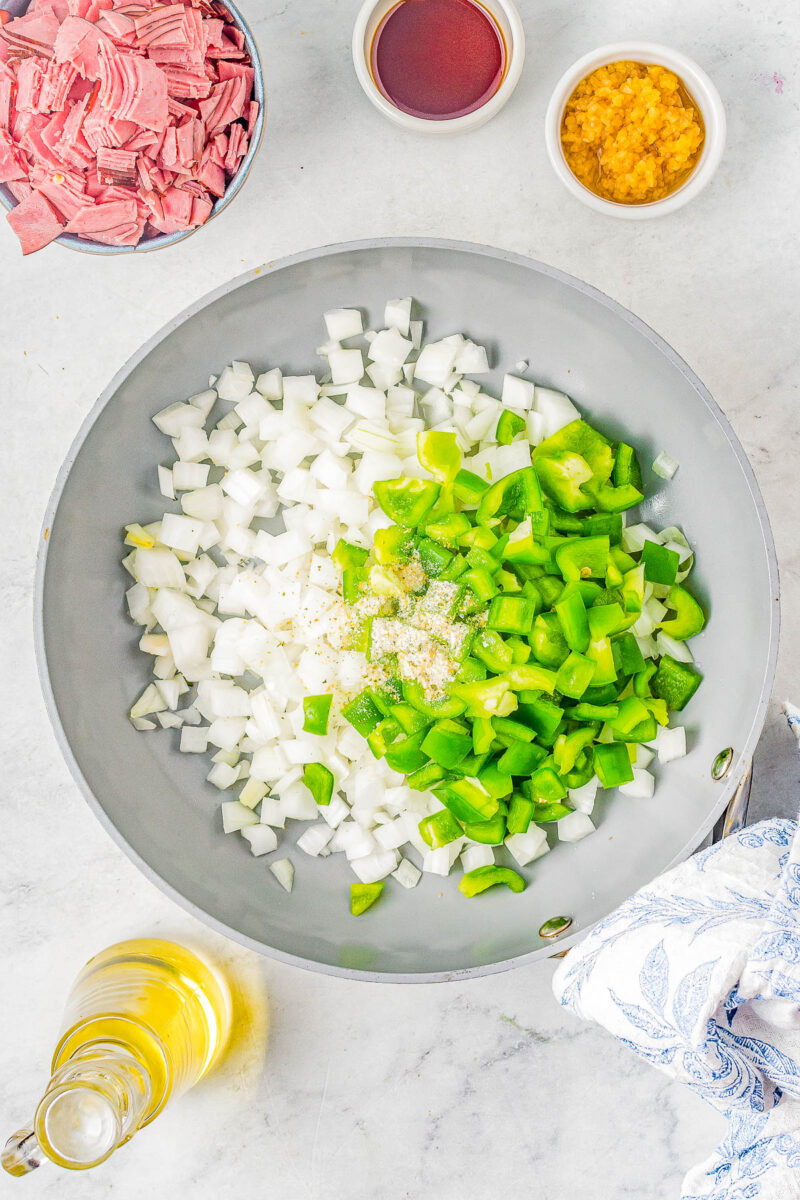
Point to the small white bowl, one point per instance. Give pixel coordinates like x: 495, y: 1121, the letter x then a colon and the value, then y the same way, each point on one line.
x: 697, y: 83
x: 508, y: 21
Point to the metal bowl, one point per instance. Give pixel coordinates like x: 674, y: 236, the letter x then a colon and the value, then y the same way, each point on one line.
x: 160, y: 240
x: 155, y: 802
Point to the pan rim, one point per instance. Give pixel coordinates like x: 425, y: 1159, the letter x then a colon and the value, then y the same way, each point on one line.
x: 447, y: 244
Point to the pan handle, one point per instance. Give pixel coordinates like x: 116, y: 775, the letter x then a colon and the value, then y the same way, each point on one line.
x: 732, y: 820
x: 735, y: 816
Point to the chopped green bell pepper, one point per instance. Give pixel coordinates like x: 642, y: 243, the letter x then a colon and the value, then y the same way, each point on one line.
x: 545, y: 814
x: 582, y: 558
x: 467, y: 799
x: 574, y: 675
x: 626, y: 467
x: 406, y: 501
x: 434, y: 559
x: 362, y: 713
x: 514, y: 495
x: 508, y: 426
x: 511, y: 614
x: 485, y: 698
x: 406, y: 754
x: 569, y: 746
x: 613, y: 764
x: 521, y: 758
x: 689, y: 617
x: 547, y: 641
x: 571, y: 612
x: 469, y: 487
x: 414, y: 694
x: 520, y: 811
x: 426, y: 777
x: 488, y: 833
x: 546, y: 784
x: 393, y: 545
x: 319, y: 781
x: 438, y: 453
x: 660, y: 564
x: 447, y: 743
x: 483, y: 878
x: 316, y: 712
x: 562, y: 475
x: 385, y: 732
x: 601, y: 653
x: 675, y: 682
x: 440, y: 829
x: 364, y: 895
x: 352, y: 560
x: 628, y: 658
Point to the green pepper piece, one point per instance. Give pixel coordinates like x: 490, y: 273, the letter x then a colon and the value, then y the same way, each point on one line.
x: 485, y: 698
x: 508, y: 426
x: 675, y: 682
x: 406, y: 754
x: 364, y: 895
x: 467, y: 800
x: 621, y: 559
x: 583, y: 770
x: 593, y: 712
x: 482, y: 735
x: 351, y: 559
x: 516, y: 730
x: 316, y: 711
x: 545, y: 784
x: 571, y: 612
x: 469, y: 487
x: 564, y: 522
x: 514, y: 495
x: 660, y: 564
x: 488, y: 833
x: 562, y: 475
x: 440, y: 829
x: 633, y: 590
x: 544, y: 814
x: 606, y: 694
x: 438, y: 453
x: 406, y: 501
x: 521, y: 547
x: 520, y: 811
x: 550, y: 589
x: 628, y: 658
x: 482, y: 878
x: 530, y: 677
x: 689, y: 617
x: 507, y: 581
x: 521, y: 758
x: 569, y: 746
x: 319, y: 781
x: 450, y: 706
x: 490, y: 648
x: 581, y: 558
x: 589, y: 592
x: 408, y: 718
x: 511, y: 614
x: 601, y: 653
x: 393, y: 545
x: 583, y: 439
x: 543, y: 715
x: 382, y: 736
x: 626, y: 467
x: 426, y: 777
x: 609, y: 499
x: 606, y: 619
x: 631, y: 713
x: 574, y: 675
x: 494, y: 782
x: 478, y: 538
x: 658, y: 709
x: 645, y: 731
x: 362, y: 713
x: 613, y: 764
x: 520, y: 651
x: 471, y: 669
x: 481, y: 583
x: 606, y: 523
x: 641, y: 680
x: 433, y: 558
x: 449, y: 529
x: 446, y: 743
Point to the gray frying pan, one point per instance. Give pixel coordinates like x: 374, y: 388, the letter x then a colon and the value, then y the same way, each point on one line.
x: 155, y: 802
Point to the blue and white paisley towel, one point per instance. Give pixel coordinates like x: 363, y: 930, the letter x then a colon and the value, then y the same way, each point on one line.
x: 699, y: 974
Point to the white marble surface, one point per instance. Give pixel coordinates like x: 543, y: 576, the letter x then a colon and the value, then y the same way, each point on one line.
x: 380, y: 1093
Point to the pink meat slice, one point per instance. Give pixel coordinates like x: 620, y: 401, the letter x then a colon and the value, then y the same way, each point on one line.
x: 34, y: 222
x: 163, y: 25
x: 5, y: 102
x: 30, y: 76
x: 116, y: 166
x: 78, y: 42
x: 12, y: 160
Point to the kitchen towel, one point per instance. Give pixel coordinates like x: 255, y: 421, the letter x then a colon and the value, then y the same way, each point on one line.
x: 699, y: 974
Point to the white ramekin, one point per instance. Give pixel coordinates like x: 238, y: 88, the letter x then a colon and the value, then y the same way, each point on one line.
x: 701, y: 89
x: 508, y: 20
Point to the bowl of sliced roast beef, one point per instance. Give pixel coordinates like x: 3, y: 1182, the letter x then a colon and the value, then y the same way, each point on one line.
x: 125, y: 125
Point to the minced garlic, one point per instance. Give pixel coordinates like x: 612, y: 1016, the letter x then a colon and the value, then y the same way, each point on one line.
x: 631, y: 132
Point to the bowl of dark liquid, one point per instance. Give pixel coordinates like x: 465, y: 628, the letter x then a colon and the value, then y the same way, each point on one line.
x: 438, y: 66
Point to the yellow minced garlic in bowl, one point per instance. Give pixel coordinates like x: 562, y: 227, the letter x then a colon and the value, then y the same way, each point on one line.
x: 631, y: 132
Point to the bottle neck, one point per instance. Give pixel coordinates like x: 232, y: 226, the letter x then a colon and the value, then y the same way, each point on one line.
x: 94, y: 1102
